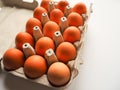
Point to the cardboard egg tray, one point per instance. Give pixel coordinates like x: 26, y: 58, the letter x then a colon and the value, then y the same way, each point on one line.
x: 74, y: 64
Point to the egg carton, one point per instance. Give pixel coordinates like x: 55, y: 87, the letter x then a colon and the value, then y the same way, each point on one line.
x: 21, y: 3
x: 74, y: 64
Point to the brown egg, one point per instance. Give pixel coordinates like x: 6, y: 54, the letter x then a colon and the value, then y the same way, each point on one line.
x: 74, y: 19
x: 45, y: 4
x: 50, y: 28
x: 58, y: 74
x: 62, y: 5
x: 23, y: 37
x: 72, y: 34
x: 80, y: 8
x: 31, y: 23
x: 55, y: 15
x: 13, y: 59
x: 38, y: 12
x: 44, y: 44
x: 66, y: 52
x: 35, y: 66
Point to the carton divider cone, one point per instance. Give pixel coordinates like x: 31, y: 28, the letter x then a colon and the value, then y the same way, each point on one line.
x: 58, y: 38
x: 68, y: 10
x: 28, y: 50
x: 45, y: 18
x: 37, y: 33
x: 50, y: 56
x: 63, y: 24
x: 51, y: 6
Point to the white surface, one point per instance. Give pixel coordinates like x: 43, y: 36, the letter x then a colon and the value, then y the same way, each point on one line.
x: 100, y: 70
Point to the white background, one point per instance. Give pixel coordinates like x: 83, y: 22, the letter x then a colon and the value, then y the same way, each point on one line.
x: 101, y: 54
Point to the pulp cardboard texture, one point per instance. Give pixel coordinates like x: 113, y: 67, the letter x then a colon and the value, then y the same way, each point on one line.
x: 74, y: 64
